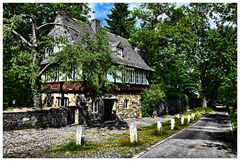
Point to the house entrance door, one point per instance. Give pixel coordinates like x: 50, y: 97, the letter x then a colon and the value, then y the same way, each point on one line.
x: 108, y: 106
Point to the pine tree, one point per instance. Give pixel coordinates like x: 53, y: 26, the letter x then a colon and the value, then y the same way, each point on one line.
x: 119, y: 21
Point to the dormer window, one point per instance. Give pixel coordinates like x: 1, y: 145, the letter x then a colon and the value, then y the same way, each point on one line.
x: 117, y: 47
x: 120, y: 51
x: 48, y: 51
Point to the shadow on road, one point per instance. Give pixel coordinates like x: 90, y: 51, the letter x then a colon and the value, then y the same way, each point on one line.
x: 213, y: 127
x: 220, y: 119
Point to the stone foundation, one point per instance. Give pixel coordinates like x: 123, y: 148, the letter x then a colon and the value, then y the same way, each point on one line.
x: 133, y: 110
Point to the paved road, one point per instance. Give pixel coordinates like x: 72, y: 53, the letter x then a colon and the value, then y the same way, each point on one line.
x: 210, y: 137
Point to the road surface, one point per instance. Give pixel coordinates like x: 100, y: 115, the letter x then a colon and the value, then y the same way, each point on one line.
x: 209, y: 137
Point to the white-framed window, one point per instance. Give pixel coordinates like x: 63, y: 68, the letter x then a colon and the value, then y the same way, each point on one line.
x: 125, y: 104
x: 145, y: 81
x: 142, y: 77
x: 120, y: 51
x: 137, y: 77
x: 95, y: 106
x: 126, y: 77
x: 119, y: 75
x: 132, y: 76
x: 65, y: 101
x: 110, y: 77
x: 73, y: 72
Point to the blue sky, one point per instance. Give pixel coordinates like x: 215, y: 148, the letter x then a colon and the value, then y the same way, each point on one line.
x: 103, y: 9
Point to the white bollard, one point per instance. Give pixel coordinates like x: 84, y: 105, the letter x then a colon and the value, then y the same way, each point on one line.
x: 193, y: 116
x: 172, y: 124
x: 76, y: 117
x: 182, y: 120
x: 133, y: 133
x: 79, y: 135
x: 159, y: 126
x: 189, y: 118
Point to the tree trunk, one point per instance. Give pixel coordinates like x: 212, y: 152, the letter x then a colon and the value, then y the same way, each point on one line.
x: 36, y: 99
x: 35, y: 80
x: 37, y: 102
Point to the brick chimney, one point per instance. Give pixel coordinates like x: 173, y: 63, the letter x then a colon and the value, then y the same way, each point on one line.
x: 95, y: 24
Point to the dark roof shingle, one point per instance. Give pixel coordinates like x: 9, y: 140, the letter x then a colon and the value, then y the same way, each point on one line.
x: 130, y: 57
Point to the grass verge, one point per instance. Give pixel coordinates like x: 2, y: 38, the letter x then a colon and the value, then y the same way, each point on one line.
x: 233, y: 117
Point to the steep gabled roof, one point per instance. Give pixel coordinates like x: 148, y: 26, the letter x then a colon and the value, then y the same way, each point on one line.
x: 130, y: 57
x: 71, y: 35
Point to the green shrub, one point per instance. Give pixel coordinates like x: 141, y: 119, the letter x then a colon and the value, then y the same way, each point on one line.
x: 73, y: 147
x: 151, y: 99
x: 233, y: 116
x: 126, y: 142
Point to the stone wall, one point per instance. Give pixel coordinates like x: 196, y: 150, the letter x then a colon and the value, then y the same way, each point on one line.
x: 133, y: 110
x: 40, y: 118
x: 53, y: 97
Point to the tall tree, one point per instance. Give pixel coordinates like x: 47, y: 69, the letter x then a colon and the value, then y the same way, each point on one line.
x: 189, y: 56
x: 216, y: 51
x: 119, y: 20
x: 26, y: 28
x: 93, y: 61
x: 150, y: 14
x: 164, y: 43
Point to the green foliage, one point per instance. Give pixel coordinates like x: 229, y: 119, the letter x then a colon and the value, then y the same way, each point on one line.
x: 190, y: 57
x: 203, y: 110
x: 199, y: 112
x: 120, y: 21
x: 151, y: 99
x: 125, y: 142
x: 71, y: 146
x: 47, y: 11
x: 233, y: 116
x: 21, y: 60
x: 16, y: 77
x: 92, y: 60
x: 167, y: 48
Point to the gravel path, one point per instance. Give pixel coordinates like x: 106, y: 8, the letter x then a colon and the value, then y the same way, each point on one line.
x: 32, y: 140
x: 147, y: 121
x: 20, y: 143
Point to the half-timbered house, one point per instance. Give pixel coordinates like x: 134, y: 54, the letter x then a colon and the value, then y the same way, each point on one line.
x: 124, y: 102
